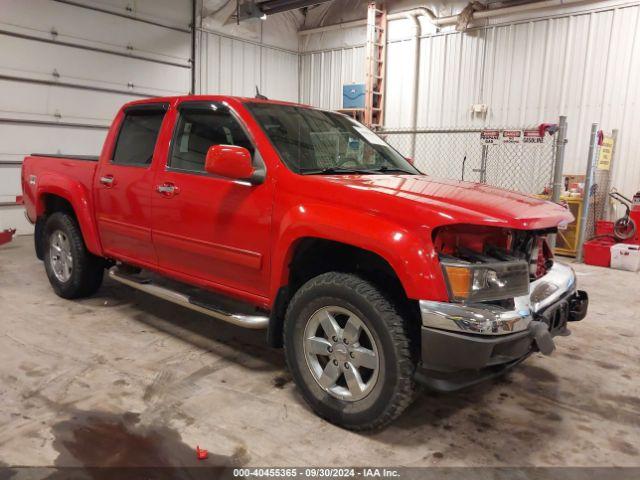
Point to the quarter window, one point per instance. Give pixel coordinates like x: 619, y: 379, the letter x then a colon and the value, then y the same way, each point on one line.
x: 138, y: 135
x: 198, y: 128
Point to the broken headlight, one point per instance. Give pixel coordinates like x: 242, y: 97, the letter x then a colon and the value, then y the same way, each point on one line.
x: 480, y: 282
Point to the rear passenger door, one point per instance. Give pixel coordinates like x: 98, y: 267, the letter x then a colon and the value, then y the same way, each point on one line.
x: 124, y: 184
x: 207, y: 227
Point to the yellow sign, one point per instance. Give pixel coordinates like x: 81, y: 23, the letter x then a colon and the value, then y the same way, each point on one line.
x: 606, y: 150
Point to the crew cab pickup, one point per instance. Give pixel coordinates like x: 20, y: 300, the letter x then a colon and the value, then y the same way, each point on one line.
x: 374, y: 277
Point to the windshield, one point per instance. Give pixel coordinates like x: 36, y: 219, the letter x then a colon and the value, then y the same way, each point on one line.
x: 317, y: 142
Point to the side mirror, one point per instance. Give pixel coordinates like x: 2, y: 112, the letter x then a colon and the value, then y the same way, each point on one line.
x: 229, y: 161
x: 410, y: 160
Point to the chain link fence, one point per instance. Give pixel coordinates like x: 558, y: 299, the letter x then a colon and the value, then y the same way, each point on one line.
x: 600, y: 203
x: 518, y: 159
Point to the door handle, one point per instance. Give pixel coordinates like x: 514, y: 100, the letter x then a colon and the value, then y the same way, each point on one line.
x: 167, y: 189
x: 107, y: 180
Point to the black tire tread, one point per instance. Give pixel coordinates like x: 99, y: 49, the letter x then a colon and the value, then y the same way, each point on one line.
x: 88, y: 268
x: 405, y: 389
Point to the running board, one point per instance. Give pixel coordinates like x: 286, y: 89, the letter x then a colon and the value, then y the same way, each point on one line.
x: 255, y: 322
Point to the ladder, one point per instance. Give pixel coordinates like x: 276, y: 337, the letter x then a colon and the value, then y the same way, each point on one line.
x: 375, y: 65
x: 376, y: 54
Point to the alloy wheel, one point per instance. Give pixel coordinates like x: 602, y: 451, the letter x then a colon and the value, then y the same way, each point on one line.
x: 60, y: 256
x: 341, y: 353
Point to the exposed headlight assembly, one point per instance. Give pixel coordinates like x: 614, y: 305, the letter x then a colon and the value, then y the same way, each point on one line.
x: 479, y: 282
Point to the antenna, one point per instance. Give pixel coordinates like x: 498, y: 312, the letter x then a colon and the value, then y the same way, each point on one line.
x: 259, y: 95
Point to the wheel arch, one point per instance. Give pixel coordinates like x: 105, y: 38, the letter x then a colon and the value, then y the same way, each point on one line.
x: 410, y: 255
x: 309, y: 257
x: 61, y: 195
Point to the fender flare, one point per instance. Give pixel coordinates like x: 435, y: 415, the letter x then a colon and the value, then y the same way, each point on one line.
x: 412, y: 257
x: 80, y: 200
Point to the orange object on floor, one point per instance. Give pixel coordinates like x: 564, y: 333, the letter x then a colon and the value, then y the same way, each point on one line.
x: 201, y: 453
x: 7, y: 235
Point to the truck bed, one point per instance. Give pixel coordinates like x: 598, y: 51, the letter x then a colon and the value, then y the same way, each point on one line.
x: 65, y: 171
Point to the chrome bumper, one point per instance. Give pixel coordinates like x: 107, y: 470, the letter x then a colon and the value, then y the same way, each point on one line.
x: 485, y: 319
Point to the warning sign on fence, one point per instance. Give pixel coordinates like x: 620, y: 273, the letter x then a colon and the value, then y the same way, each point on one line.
x: 490, y: 136
x: 511, y: 136
x: 606, y: 150
x: 533, y: 136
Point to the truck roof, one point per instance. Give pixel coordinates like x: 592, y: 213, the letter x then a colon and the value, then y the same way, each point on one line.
x: 184, y: 98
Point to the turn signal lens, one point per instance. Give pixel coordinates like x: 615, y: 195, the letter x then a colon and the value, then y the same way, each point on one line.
x: 459, y: 281
x: 481, y: 282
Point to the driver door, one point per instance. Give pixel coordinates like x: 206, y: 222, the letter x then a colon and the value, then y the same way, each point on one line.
x: 208, y: 227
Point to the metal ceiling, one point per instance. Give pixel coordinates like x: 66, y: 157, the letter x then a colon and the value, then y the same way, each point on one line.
x: 276, y: 6
x: 255, y: 8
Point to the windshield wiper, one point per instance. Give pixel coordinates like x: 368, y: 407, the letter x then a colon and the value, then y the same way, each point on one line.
x: 367, y: 171
x: 332, y: 170
x: 385, y: 169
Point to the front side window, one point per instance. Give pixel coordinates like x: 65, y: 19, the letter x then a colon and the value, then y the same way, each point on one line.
x: 313, y: 141
x: 138, y: 135
x: 198, y: 128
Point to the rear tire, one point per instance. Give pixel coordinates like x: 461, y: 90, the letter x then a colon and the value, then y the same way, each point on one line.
x: 73, y: 271
x: 359, y: 375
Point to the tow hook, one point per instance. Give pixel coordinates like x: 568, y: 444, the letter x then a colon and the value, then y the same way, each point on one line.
x: 578, y: 305
x: 540, y: 333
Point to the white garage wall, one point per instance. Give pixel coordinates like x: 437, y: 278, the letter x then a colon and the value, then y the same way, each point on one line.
x: 583, y: 63
x: 171, y: 13
x: 323, y: 73
x: 235, y: 58
x: 230, y: 66
x: 67, y: 66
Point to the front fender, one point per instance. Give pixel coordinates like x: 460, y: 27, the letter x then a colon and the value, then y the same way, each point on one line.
x: 79, y: 197
x: 412, y: 257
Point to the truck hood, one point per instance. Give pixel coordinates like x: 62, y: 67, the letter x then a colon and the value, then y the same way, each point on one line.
x: 460, y: 202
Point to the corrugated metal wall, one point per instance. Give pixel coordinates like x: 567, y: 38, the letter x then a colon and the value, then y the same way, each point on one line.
x: 585, y: 65
x: 230, y: 66
x: 323, y: 73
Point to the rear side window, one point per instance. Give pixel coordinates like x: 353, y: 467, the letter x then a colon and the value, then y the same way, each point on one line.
x: 138, y: 135
x: 198, y: 128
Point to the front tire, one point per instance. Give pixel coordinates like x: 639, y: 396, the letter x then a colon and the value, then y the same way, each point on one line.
x: 73, y: 271
x: 349, y: 352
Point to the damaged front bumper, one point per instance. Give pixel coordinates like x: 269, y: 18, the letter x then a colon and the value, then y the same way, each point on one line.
x: 465, y: 344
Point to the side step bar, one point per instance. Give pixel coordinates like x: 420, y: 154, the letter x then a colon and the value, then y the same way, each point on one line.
x: 255, y: 322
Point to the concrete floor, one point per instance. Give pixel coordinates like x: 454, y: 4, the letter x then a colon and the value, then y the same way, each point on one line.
x: 123, y: 378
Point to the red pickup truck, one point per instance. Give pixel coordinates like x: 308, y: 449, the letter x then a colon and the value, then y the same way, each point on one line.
x: 374, y: 277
